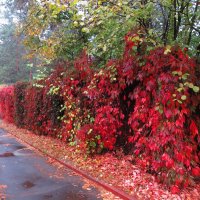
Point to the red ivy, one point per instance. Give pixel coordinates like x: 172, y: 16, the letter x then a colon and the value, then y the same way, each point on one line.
x: 144, y: 102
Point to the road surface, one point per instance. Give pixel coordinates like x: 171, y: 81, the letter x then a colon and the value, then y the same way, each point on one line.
x: 24, y: 175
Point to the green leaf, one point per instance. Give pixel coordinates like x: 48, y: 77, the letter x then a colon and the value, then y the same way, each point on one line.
x: 160, y: 111
x: 184, y: 76
x: 85, y: 30
x: 179, y: 89
x: 151, y: 31
x: 180, y: 101
x: 183, y: 97
x: 98, y: 137
x: 104, y: 48
x: 157, y: 107
x: 191, y: 85
x: 92, y: 119
x: 174, y: 73
x: 134, y: 48
x: 74, y: 2
x: 195, y: 89
x: 92, y: 144
x: 75, y: 23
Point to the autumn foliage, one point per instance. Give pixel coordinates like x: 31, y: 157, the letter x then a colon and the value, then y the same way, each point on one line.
x: 7, y: 104
x: 147, y: 102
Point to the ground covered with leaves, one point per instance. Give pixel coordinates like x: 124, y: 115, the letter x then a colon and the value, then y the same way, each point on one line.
x: 112, y: 168
x: 2, y: 192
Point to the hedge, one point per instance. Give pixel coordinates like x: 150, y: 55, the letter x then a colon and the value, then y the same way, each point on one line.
x: 145, y: 102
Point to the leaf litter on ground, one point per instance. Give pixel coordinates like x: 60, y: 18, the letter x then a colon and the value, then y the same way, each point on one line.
x: 114, y: 170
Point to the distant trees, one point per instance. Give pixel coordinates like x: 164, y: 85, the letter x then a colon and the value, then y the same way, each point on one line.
x: 13, y: 67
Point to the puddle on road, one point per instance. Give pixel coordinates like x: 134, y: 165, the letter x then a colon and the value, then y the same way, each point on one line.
x: 12, y: 145
x: 6, y: 154
x: 68, y: 196
x: 20, y: 152
x: 23, y: 152
x: 28, y: 184
x: 3, y: 136
x: 19, y: 147
x: 48, y: 196
x: 75, y: 196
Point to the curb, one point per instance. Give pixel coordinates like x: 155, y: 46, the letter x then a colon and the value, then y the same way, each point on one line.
x: 107, y: 187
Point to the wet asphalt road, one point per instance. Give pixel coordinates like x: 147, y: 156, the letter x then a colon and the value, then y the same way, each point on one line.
x: 29, y: 176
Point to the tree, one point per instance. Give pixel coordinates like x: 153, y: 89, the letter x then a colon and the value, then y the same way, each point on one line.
x: 13, y: 66
x: 62, y: 29
x: 50, y: 32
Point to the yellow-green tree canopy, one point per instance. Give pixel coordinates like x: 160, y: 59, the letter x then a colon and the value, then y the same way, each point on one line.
x: 61, y: 29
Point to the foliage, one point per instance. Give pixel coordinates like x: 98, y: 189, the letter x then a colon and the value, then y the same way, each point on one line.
x: 12, y: 65
x: 42, y: 110
x: 163, y: 121
x: 31, y: 107
x: 19, y: 100
x: 144, y: 95
x: 60, y: 30
x: 7, y: 103
x: 146, y: 102
x: 50, y: 32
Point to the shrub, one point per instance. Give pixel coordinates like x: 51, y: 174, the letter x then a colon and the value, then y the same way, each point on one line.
x: 163, y: 123
x: 7, y: 103
x: 146, y: 102
x: 19, y: 103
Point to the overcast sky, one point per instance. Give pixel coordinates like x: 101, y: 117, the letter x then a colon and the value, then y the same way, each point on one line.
x: 2, y: 9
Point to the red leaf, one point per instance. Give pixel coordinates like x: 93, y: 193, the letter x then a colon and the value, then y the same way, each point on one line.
x: 193, y: 128
x: 175, y: 189
x: 169, y: 163
x: 168, y: 113
x: 181, y: 171
x: 137, y: 151
x: 179, y: 157
x: 188, y: 151
x: 165, y: 157
x: 131, y: 139
x: 187, y: 163
x: 196, y: 171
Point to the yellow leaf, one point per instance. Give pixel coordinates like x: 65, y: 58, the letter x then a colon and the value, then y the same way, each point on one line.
x: 167, y: 50
x: 104, y: 48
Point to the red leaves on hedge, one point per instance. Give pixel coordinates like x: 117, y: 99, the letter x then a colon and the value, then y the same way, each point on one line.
x: 193, y: 128
x: 196, y: 171
x: 175, y: 189
x: 163, y: 124
x: 7, y: 103
x: 142, y: 102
